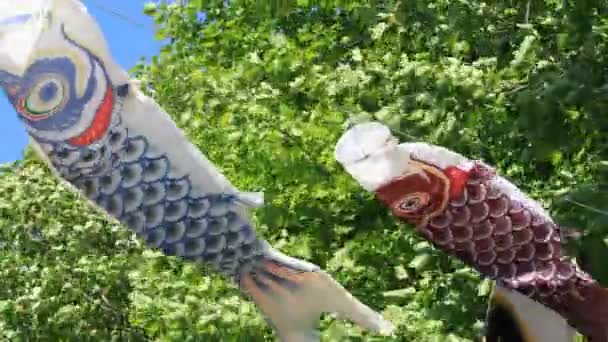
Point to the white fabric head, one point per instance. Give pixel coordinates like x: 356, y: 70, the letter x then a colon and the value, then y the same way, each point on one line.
x: 361, y: 141
x: 369, y: 152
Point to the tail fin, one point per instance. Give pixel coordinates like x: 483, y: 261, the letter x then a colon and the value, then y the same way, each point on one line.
x: 516, y: 318
x: 590, y: 311
x: 293, y: 294
x: 591, y: 307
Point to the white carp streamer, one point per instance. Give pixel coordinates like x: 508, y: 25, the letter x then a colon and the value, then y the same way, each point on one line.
x: 116, y: 146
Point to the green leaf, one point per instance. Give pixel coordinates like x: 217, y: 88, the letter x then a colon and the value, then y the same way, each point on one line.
x: 150, y: 8
x: 420, y: 262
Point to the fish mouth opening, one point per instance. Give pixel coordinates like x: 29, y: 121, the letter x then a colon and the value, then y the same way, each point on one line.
x: 363, y: 141
x: 389, y: 142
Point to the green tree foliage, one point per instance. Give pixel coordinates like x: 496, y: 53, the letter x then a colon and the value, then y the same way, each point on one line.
x: 265, y: 91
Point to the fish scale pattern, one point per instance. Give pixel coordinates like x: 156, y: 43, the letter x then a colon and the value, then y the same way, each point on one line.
x: 505, y: 241
x: 127, y: 176
x: 491, y: 229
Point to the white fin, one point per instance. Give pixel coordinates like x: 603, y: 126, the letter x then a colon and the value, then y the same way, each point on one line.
x: 251, y: 199
x: 293, y: 294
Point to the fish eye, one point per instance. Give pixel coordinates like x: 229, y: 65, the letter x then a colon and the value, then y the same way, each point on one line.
x: 46, y: 97
x: 413, y: 202
x: 410, y: 204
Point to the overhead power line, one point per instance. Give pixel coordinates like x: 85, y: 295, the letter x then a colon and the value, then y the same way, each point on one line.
x: 120, y: 15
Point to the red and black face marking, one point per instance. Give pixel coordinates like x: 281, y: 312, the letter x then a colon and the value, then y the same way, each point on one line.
x: 458, y: 180
x: 417, y: 196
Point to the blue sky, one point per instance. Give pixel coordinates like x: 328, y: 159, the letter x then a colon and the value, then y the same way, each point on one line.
x: 128, y: 43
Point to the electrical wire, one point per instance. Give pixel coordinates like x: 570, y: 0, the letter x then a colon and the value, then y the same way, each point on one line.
x: 119, y: 14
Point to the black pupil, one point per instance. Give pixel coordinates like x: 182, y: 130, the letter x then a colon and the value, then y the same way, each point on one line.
x: 48, y: 91
x: 411, y: 203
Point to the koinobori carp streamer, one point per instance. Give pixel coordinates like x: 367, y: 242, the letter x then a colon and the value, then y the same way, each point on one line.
x: 101, y: 134
x: 468, y: 211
